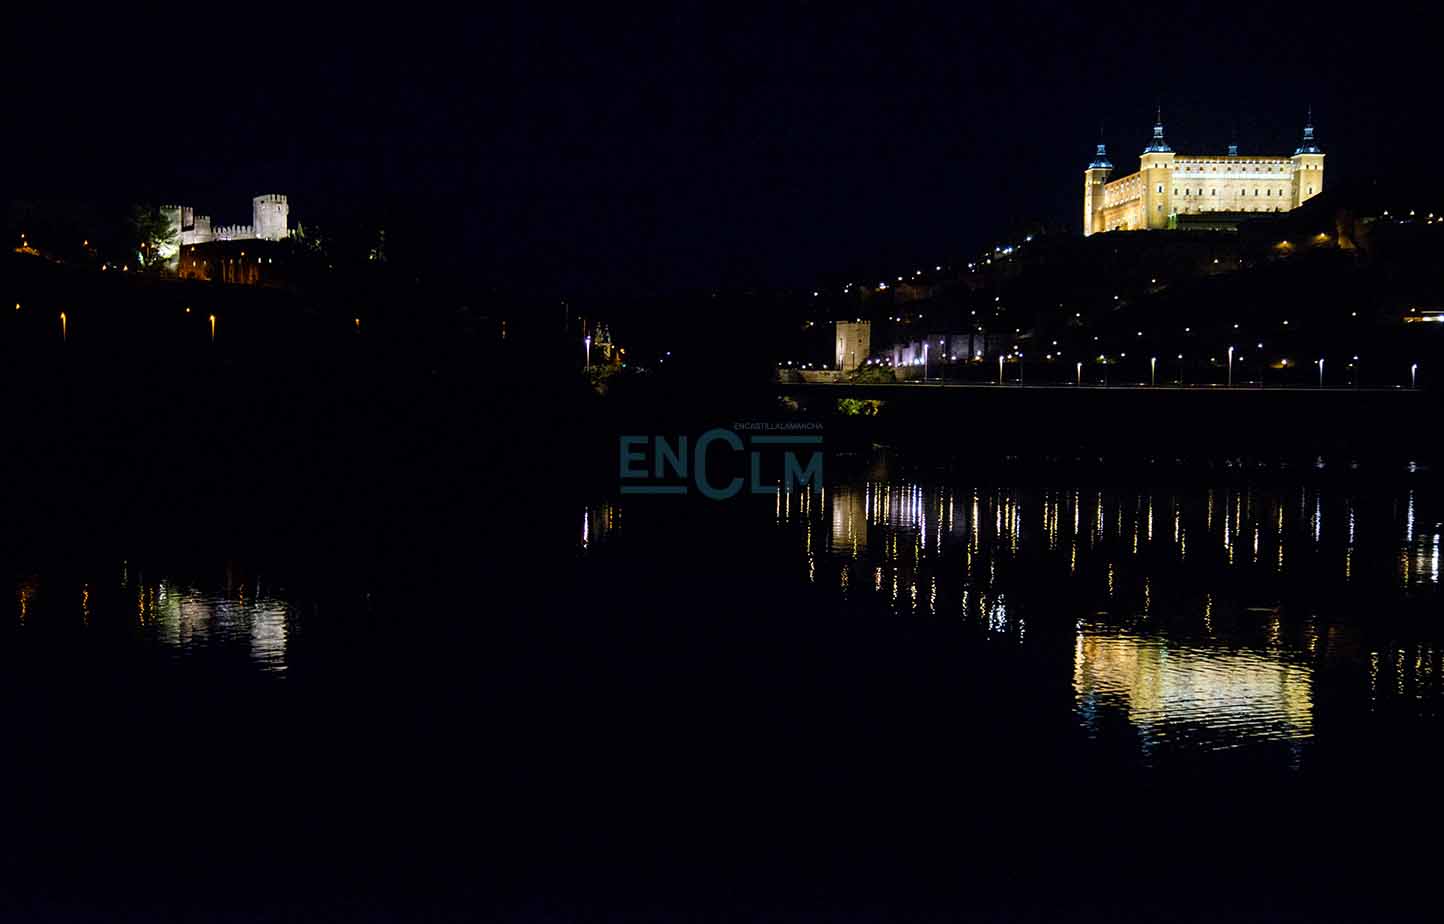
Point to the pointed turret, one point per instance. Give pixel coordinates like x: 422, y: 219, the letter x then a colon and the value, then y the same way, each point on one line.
x: 1308, y: 165
x: 1094, y: 179
x: 1158, y: 144
x: 1309, y: 146
x: 1100, y: 157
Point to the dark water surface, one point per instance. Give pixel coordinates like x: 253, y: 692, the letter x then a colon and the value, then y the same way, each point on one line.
x: 918, y: 689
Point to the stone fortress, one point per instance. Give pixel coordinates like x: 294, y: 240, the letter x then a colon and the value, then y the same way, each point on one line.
x: 1198, y: 190
x: 235, y: 254
x: 268, y: 223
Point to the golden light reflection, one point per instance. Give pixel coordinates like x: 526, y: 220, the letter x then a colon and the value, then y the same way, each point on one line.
x: 1204, y: 697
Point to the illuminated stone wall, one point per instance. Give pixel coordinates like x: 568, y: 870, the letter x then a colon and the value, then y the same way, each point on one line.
x: 269, y: 215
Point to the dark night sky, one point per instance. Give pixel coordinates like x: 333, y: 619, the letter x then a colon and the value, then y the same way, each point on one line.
x: 647, y: 149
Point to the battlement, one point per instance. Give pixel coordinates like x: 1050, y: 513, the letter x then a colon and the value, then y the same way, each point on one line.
x: 269, y: 214
x: 235, y: 233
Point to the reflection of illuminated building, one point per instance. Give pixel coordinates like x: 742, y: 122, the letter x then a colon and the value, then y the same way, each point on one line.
x: 849, y: 518
x: 1167, y: 690
x: 598, y: 523
x: 187, y: 620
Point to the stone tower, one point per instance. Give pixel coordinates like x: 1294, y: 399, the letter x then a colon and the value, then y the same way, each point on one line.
x: 1308, y: 166
x: 1093, y: 179
x: 269, y: 215
x: 1156, y: 173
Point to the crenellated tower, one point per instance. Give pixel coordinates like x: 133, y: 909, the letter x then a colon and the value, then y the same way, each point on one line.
x: 269, y: 213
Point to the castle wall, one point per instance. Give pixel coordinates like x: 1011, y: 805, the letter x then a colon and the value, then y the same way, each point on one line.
x: 269, y: 215
x: 1233, y: 184
x: 1123, y: 204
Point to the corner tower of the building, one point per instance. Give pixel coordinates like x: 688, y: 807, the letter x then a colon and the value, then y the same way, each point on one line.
x: 268, y: 217
x: 1093, y: 179
x: 1155, y: 171
x: 1308, y: 166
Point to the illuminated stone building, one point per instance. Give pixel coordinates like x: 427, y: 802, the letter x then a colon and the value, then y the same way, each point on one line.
x: 268, y: 223
x: 235, y: 254
x: 1198, y: 190
x: 246, y: 262
x: 853, y: 344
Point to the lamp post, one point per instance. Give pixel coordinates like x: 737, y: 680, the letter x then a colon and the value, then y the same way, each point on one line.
x: 1414, y: 376
x: 587, y: 345
x: 1321, y: 372
x: 1180, y: 368
x: 1153, y: 370
x: 1230, y: 367
x: 1000, y: 368
x: 925, y: 363
x: 1080, y: 373
x: 1020, y: 368
x: 64, y: 330
x: 213, y: 328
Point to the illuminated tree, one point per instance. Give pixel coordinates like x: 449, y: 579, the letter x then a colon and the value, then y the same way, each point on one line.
x: 154, y: 236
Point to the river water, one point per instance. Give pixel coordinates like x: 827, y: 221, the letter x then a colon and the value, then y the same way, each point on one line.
x: 916, y: 680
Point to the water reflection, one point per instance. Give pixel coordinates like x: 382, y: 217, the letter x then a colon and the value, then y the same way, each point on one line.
x: 1197, y: 621
x: 1201, y: 697
x: 242, y: 619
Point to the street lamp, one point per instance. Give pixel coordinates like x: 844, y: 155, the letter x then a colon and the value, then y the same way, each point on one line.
x: 587, y: 346
x: 1230, y: 367
x: 1153, y: 370
x: 1000, y: 368
x: 1180, y: 368
x: 925, y: 362
x: 1414, y: 376
x: 1321, y: 372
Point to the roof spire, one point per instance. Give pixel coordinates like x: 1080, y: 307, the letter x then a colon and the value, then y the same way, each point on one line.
x: 1100, y: 158
x: 1309, y: 146
x: 1158, y: 144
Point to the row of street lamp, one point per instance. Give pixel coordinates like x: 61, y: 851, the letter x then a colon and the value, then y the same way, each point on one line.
x: 65, y: 325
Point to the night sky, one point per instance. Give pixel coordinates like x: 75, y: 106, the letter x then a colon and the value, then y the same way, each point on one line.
x: 651, y: 149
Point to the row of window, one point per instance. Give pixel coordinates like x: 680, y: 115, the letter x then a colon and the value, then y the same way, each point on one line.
x: 1214, y: 192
